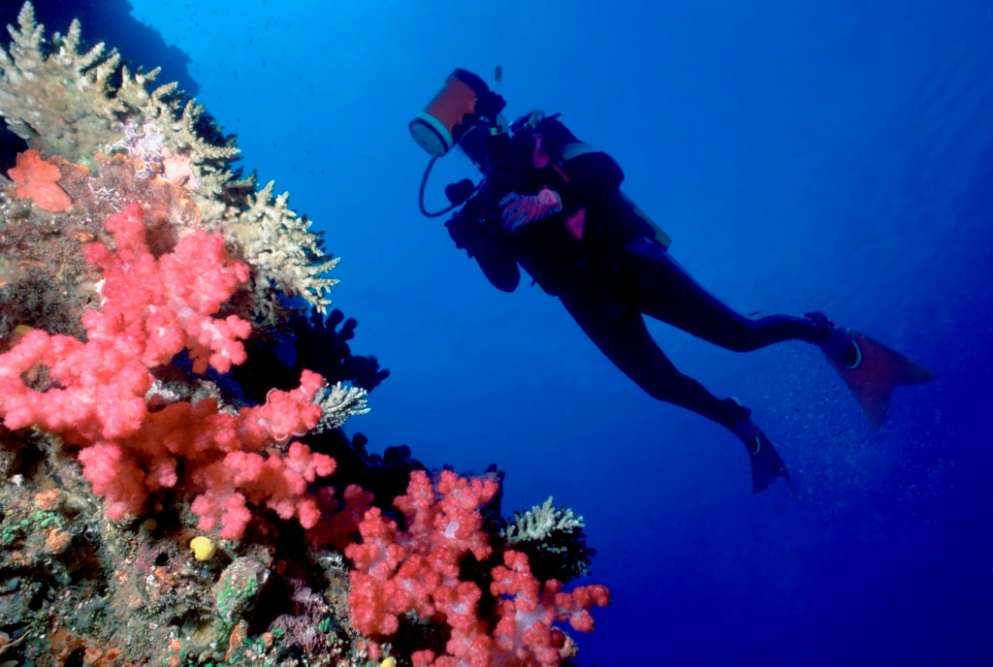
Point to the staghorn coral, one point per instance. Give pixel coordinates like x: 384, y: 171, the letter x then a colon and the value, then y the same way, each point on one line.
x: 280, y: 242
x: 80, y: 104
x: 76, y: 104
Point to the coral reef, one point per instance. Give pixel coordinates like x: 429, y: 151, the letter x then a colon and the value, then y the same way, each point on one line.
x: 553, y: 539
x: 111, y: 22
x: 86, y: 108
x: 175, y: 485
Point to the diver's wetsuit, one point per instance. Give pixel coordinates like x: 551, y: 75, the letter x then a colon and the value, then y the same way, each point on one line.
x: 617, y: 271
x: 658, y: 286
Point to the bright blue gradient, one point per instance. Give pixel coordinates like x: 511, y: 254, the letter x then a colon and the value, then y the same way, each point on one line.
x: 804, y: 155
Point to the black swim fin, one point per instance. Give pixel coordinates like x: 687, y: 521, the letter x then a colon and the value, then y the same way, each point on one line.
x: 871, y: 370
x: 766, y: 464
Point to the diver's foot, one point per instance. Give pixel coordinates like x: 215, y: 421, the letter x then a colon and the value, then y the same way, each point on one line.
x: 766, y: 464
x: 764, y: 460
x: 841, y: 346
x: 823, y: 327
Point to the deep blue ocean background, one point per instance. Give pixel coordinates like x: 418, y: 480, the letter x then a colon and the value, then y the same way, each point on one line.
x: 802, y: 155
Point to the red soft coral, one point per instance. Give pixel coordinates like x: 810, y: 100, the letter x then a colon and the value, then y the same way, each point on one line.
x: 418, y: 570
x: 279, y: 482
x: 37, y: 180
x: 396, y: 572
x: 152, y: 309
x: 528, y: 609
x: 99, y: 395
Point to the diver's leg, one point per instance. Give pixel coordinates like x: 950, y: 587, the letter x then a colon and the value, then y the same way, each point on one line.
x: 667, y: 292
x: 620, y: 333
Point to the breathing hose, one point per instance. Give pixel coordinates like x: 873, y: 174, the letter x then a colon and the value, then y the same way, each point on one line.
x: 420, y: 197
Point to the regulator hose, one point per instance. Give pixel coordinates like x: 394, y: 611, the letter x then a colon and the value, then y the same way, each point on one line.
x: 420, y: 197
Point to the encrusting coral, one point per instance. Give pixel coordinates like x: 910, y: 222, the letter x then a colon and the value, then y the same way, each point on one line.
x: 175, y: 487
x: 38, y: 181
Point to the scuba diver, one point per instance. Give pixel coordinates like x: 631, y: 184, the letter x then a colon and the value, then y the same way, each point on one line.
x: 552, y: 204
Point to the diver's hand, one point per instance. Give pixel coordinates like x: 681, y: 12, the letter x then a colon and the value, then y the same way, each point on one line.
x: 520, y: 210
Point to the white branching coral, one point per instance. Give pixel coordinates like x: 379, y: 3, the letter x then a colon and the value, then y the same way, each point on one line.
x: 74, y: 104
x: 338, y: 403
x: 554, y: 540
x: 541, y: 521
x: 278, y: 241
x: 79, y: 104
x: 53, y: 113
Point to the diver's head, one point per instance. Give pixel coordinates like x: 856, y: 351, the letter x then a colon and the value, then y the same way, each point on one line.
x: 529, y: 122
x: 463, y: 106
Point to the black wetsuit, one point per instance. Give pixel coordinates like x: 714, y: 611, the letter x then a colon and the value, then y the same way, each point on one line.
x: 617, y: 272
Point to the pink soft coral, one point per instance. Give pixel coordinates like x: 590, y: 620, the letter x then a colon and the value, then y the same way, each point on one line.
x: 528, y: 609
x: 417, y: 570
x: 396, y: 572
x: 278, y: 482
x: 37, y: 180
x: 153, y: 309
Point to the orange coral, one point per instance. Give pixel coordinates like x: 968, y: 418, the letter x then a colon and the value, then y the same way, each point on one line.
x: 57, y: 541
x: 65, y: 644
x: 47, y: 500
x: 37, y: 180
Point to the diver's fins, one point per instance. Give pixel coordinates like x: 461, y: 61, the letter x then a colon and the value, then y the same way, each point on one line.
x: 766, y: 464
x: 871, y: 370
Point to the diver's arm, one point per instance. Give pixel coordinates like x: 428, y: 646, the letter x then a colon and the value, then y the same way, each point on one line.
x: 491, y: 249
x: 592, y: 176
x: 520, y: 210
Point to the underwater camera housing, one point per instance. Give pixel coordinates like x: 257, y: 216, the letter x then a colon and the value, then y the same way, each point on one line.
x: 466, y: 113
x: 464, y: 103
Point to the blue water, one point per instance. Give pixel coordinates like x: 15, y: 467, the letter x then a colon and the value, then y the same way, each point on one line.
x: 803, y: 155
